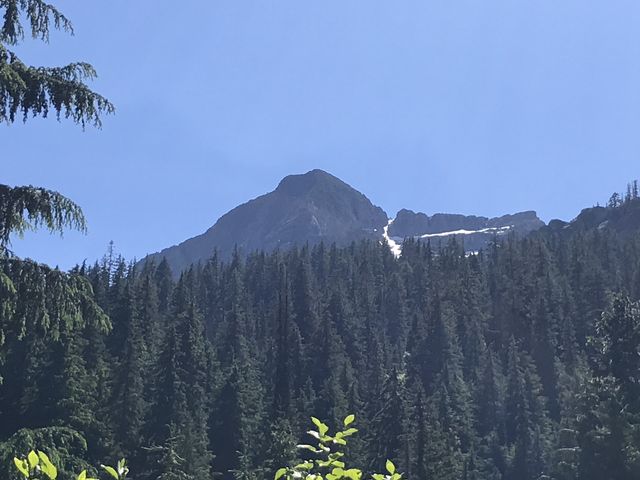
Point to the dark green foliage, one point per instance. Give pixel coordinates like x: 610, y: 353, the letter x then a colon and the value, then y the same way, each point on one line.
x: 35, y: 299
x: 34, y: 91
x: 66, y: 448
x: 609, y: 421
x: 38, y: 298
x: 518, y: 363
x: 26, y: 208
x: 51, y: 327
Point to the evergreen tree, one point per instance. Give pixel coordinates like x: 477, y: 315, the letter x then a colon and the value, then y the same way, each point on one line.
x: 180, y: 404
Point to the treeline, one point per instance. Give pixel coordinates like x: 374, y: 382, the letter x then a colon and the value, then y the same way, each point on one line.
x: 619, y: 199
x: 500, y: 365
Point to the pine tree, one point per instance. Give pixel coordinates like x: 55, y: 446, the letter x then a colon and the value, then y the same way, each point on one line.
x: 527, y: 423
x: 386, y: 429
x: 129, y: 403
x: 608, y: 425
x: 180, y: 406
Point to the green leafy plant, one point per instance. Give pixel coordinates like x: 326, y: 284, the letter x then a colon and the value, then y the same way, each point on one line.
x: 37, y: 466
x: 328, y: 461
x: 119, y: 473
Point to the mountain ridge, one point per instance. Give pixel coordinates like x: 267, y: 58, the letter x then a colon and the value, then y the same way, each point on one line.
x: 304, y: 208
x: 315, y: 207
x: 623, y: 219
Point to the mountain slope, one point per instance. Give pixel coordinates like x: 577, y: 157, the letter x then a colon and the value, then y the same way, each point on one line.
x: 623, y: 219
x: 477, y: 232
x: 317, y: 207
x: 306, y: 208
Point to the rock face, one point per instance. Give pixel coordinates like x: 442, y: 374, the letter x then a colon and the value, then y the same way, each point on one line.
x: 623, y: 219
x: 317, y: 207
x: 307, y: 208
x: 476, y: 232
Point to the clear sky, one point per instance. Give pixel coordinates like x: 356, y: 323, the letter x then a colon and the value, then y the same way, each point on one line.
x: 476, y: 107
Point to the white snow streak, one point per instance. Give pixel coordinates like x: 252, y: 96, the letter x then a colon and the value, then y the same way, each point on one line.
x: 395, y: 243
x: 394, y: 246
x: 466, y: 232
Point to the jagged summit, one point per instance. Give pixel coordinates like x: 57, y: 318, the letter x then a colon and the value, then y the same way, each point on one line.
x: 309, y: 208
x: 315, y: 207
x: 304, y: 183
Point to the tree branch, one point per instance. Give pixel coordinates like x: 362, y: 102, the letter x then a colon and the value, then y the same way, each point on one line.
x: 26, y: 208
x: 26, y: 91
x: 39, y: 14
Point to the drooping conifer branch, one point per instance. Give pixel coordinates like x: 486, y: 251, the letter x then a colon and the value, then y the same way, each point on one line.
x: 26, y: 208
x: 35, y: 91
x: 39, y: 14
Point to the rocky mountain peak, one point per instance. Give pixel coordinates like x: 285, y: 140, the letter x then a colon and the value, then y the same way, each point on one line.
x: 315, y: 207
x: 304, y: 183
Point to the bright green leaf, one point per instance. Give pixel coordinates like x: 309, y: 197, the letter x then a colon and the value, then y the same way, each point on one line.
x: 47, y: 467
x: 353, y: 474
x: 111, y: 471
x: 83, y: 475
x: 22, y: 465
x: 122, y: 468
x: 309, y: 447
x: 280, y: 473
x: 391, y: 468
x: 33, y: 459
x: 349, y: 420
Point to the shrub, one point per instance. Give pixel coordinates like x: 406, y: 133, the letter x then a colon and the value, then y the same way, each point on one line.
x: 327, y: 460
x: 38, y: 466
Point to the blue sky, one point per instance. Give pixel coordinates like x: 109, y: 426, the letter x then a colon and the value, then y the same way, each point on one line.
x: 476, y: 107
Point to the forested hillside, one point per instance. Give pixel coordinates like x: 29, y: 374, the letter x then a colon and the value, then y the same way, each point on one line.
x: 500, y: 365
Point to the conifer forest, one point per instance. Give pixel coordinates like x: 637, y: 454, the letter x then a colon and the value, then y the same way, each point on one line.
x: 519, y: 362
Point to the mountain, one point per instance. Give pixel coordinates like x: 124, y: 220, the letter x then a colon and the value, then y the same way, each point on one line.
x: 476, y: 231
x: 308, y: 208
x: 624, y: 219
x: 317, y: 207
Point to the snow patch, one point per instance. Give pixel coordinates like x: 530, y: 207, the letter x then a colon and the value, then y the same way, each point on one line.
x: 394, y: 245
x: 497, y: 230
